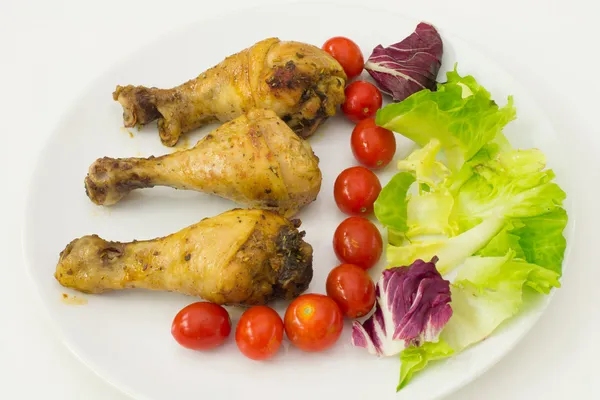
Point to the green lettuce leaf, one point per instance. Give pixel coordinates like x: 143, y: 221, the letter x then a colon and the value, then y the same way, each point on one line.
x: 410, y: 214
x: 487, y: 291
x: 485, y: 154
x: 538, y: 240
x: 460, y: 114
x: 502, y: 243
x: 450, y: 251
x: 541, y: 238
x: 513, y: 185
x: 423, y: 163
x: 428, y: 214
x: 414, y: 359
x: 390, y: 206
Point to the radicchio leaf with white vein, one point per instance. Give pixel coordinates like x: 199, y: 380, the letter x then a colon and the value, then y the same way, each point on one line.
x: 412, y: 308
x: 409, y: 66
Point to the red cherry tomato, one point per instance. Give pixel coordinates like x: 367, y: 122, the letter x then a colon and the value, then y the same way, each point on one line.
x: 358, y: 241
x: 372, y: 145
x: 355, y: 190
x: 363, y: 100
x: 313, y: 322
x: 347, y: 53
x: 201, y: 326
x: 259, y: 333
x: 352, y: 289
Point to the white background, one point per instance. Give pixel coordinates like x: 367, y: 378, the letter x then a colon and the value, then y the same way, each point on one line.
x: 50, y: 51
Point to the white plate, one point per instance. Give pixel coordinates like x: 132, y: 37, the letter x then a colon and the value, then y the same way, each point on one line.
x: 125, y: 337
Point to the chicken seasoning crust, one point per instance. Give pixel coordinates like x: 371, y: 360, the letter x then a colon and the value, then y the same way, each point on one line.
x: 240, y: 257
x: 301, y: 83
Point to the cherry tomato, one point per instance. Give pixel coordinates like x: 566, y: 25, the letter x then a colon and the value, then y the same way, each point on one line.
x: 358, y: 241
x: 347, y: 53
x: 372, y: 145
x: 259, y: 333
x: 363, y: 100
x: 352, y: 289
x: 355, y: 190
x: 313, y: 322
x: 201, y: 326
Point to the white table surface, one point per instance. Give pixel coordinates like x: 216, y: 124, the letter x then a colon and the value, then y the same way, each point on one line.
x: 50, y: 50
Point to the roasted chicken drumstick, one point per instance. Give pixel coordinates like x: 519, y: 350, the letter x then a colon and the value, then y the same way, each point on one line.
x: 300, y: 82
x: 240, y: 257
x: 255, y: 160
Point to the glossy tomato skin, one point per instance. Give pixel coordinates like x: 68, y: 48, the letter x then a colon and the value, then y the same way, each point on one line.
x: 313, y: 322
x: 363, y: 100
x: 201, y: 326
x: 259, y: 333
x: 355, y: 191
x: 347, y: 53
x: 352, y: 289
x: 358, y: 241
x: 372, y: 146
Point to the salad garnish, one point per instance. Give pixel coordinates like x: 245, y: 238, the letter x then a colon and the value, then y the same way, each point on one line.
x: 409, y: 66
x: 411, y: 309
x: 490, y: 214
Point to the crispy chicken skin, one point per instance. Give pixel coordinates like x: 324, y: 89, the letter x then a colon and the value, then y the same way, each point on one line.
x: 240, y: 257
x: 300, y: 82
x: 255, y: 160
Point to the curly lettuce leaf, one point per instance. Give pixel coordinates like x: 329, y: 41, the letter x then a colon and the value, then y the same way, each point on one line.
x: 422, y: 162
x: 450, y: 251
x: 489, y: 273
x: 512, y: 184
x: 421, y: 212
x: 506, y: 198
x: 537, y: 240
x: 414, y: 359
x: 502, y: 243
x: 487, y: 291
x: 428, y: 215
x: 460, y: 114
x: 390, y: 206
x: 541, y: 238
x: 485, y: 154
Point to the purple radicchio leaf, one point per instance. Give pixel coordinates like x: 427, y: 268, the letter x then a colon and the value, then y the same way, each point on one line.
x: 412, y: 308
x: 409, y: 66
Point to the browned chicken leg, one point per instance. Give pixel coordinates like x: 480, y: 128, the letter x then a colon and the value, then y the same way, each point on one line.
x: 240, y: 257
x: 255, y: 160
x: 300, y: 82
